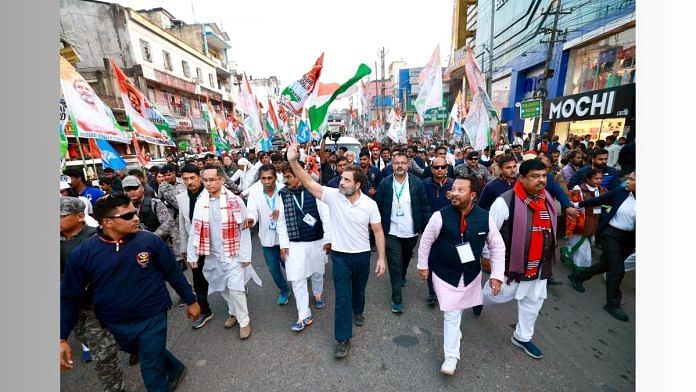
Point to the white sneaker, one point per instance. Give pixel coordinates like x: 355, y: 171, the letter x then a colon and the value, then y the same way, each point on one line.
x: 449, y: 366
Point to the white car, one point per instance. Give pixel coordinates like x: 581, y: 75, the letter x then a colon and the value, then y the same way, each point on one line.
x: 348, y: 142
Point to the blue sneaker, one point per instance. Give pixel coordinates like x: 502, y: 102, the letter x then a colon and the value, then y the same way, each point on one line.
x: 319, y: 303
x: 397, y: 308
x: 86, y: 356
x: 528, y: 347
x: 300, y: 325
x: 283, y: 299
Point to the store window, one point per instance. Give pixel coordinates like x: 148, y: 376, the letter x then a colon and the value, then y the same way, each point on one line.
x: 609, y: 62
x: 599, y: 129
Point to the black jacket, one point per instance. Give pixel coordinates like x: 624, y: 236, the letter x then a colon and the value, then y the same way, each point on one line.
x: 420, y: 205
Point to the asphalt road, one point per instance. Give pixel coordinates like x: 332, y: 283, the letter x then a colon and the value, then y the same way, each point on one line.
x: 584, y: 348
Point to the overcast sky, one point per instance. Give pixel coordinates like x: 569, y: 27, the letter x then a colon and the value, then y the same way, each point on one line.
x: 284, y: 38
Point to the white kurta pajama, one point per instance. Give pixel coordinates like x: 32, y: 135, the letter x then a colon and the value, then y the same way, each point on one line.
x: 305, y: 259
x: 453, y: 300
x: 530, y: 294
x: 225, y: 274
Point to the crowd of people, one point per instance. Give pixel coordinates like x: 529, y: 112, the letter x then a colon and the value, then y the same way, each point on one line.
x: 487, y: 225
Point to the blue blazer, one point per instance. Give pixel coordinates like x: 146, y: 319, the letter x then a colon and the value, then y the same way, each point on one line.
x: 614, y: 198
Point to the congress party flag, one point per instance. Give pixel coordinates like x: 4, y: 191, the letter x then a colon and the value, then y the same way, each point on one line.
x: 249, y: 106
x: 477, y: 124
x: 90, y: 117
x: 455, y: 118
x: 303, y: 132
x: 430, y: 82
x: 317, y: 112
x: 109, y: 156
x: 294, y: 96
x: 476, y: 80
x: 147, y: 124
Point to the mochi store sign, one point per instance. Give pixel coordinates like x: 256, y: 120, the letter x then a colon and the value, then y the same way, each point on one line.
x: 610, y: 102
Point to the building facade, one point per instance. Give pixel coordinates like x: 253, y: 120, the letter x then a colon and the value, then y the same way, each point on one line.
x: 179, y: 67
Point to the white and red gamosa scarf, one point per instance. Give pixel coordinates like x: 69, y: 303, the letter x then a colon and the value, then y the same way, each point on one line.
x: 231, y: 218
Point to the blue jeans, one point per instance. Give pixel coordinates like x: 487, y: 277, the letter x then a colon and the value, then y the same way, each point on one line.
x: 272, y: 256
x: 350, y: 274
x: 148, y: 339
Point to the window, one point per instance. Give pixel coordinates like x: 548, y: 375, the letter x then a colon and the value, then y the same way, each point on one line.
x: 167, y: 60
x: 185, y: 67
x: 199, y: 75
x: 145, y: 49
x: 212, y: 80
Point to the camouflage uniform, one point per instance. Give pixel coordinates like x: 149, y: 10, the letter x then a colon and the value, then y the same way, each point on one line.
x: 167, y: 193
x: 103, y: 348
x: 481, y: 172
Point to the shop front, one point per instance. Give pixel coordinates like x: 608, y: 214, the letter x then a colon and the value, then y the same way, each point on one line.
x: 598, y: 113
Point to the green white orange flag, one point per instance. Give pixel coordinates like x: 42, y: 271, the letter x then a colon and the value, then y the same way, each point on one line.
x: 294, y: 96
x: 430, y: 82
x: 317, y: 113
x: 252, y: 122
x: 89, y: 116
x: 148, y: 124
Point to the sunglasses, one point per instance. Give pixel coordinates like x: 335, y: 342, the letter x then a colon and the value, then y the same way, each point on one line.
x: 127, y: 216
x: 439, y: 167
x: 474, y: 159
x: 130, y: 188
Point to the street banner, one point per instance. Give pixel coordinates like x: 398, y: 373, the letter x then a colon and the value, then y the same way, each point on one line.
x: 147, y: 124
x: 317, y: 114
x: 294, y: 96
x: 430, y: 82
x: 109, y: 156
x: 89, y: 115
x: 477, y: 124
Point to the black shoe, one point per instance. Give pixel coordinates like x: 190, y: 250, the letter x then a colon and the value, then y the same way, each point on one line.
x: 174, y: 383
x: 359, y: 320
x: 431, y: 300
x: 133, y: 360
x: 576, y: 283
x: 477, y: 310
x: 552, y: 282
x: 341, y: 349
x: 616, y: 312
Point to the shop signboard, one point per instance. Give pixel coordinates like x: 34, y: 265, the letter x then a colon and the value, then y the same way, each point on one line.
x: 199, y: 124
x: 530, y: 108
x: 183, y: 125
x: 607, y: 103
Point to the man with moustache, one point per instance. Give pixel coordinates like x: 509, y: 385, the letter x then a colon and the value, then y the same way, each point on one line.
x: 341, y: 163
x: 525, y: 216
x: 600, y: 157
x: 460, y: 229
x: 125, y: 269
x: 351, y: 213
x: 372, y: 175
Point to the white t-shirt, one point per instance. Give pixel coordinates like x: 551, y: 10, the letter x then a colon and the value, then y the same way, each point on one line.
x: 350, y: 221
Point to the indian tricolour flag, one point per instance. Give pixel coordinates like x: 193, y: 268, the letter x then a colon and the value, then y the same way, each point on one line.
x: 331, y: 92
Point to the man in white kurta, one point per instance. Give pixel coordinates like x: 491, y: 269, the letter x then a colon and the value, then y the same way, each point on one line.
x: 305, y: 242
x: 225, y: 273
x: 451, y: 247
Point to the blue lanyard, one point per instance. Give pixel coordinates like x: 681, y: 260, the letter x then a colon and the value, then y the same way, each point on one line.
x: 271, y: 201
x: 300, y: 206
x: 398, y: 194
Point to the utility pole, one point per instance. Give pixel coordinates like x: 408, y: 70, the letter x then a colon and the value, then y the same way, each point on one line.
x: 489, y: 79
x: 542, y: 90
x: 382, y: 54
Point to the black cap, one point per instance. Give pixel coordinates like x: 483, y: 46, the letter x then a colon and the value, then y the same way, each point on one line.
x: 473, y: 154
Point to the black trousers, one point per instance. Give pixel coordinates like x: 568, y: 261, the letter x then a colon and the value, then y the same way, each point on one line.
x: 200, y: 286
x: 399, y: 252
x: 617, y: 245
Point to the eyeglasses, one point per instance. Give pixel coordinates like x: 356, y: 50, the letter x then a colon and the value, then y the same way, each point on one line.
x: 127, y: 216
x: 210, y: 180
x: 130, y: 188
x: 439, y: 167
